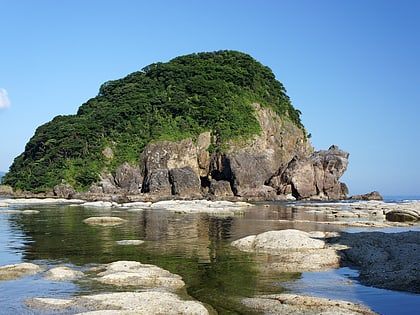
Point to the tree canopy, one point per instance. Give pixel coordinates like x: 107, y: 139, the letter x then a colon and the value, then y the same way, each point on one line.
x: 211, y: 91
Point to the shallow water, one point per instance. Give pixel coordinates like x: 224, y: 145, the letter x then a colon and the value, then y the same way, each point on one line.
x: 195, y: 246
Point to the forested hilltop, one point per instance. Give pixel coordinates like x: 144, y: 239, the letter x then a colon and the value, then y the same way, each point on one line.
x: 164, y: 101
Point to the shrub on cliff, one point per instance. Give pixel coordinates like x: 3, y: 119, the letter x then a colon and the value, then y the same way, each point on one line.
x: 164, y: 101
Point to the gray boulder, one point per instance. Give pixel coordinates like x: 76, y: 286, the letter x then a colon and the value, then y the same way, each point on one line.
x: 295, y: 251
x: 220, y: 188
x: 128, y: 178
x: 62, y: 274
x: 160, y: 158
x: 184, y: 181
x: 403, y: 215
x: 158, y: 183
x: 15, y: 271
x: 133, y: 273
x: 374, y: 195
x: 304, y: 305
x: 63, y: 191
x: 314, y: 176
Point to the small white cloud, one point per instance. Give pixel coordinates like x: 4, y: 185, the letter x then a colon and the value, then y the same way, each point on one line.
x: 4, y: 99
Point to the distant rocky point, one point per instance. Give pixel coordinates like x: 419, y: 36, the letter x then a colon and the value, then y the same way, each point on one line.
x: 374, y: 195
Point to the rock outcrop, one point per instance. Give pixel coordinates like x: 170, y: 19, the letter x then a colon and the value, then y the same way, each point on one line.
x: 15, y: 271
x: 403, y: 215
x: 314, y: 176
x: 121, y: 303
x: 278, y: 161
x: 154, y: 291
x: 296, y: 251
x: 133, y: 273
x: 63, y: 191
x: 62, y: 273
x: 300, y: 304
x: 385, y: 260
x: 374, y: 195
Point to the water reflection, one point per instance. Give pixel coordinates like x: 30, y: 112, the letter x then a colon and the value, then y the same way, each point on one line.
x: 196, y: 246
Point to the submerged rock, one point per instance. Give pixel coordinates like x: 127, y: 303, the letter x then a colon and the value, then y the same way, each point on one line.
x: 15, y: 271
x: 105, y: 221
x: 298, y: 304
x: 130, y: 242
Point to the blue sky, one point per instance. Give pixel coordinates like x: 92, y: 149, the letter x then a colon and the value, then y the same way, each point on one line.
x: 351, y: 67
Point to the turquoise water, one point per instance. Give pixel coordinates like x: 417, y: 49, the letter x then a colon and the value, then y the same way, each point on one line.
x: 195, y: 246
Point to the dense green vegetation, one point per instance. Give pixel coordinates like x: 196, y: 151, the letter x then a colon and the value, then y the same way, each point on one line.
x: 164, y: 101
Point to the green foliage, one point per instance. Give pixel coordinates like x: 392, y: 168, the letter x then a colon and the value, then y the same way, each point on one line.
x: 164, y: 101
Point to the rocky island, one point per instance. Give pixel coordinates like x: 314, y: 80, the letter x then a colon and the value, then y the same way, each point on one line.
x: 208, y: 124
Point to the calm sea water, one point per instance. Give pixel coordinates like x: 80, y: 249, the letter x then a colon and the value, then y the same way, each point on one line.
x: 195, y: 246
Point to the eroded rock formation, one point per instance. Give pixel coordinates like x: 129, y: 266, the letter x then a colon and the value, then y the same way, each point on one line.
x: 280, y: 161
x: 315, y: 175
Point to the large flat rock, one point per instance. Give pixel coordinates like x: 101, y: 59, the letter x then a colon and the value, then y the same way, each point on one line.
x: 122, y: 303
x: 304, y: 305
x: 15, y: 271
x: 133, y: 273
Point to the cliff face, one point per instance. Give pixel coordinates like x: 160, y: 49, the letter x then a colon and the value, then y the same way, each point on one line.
x: 249, y: 164
x: 277, y: 163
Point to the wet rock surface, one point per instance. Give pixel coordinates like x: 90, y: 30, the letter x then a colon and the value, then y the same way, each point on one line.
x: 122, y: 303
x: 133, y: 273
x: 15, y: 271
x: 62, y: 274
x: 154, y: 290
x: 385, y: 260
x: 298, y: 304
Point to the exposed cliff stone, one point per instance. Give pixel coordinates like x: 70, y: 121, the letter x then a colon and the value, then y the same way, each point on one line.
x: 315, y: 175
x: 158, y: 182
x: 168, y: 155
x: 128, y: 178
x: 63, y: 191
x: 220, y: 188
x: 278, y: 161
x: 249, y: 164
x: 184, y: 181
x: 159, y: 158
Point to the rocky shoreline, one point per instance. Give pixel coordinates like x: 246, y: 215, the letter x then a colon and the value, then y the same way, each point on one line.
x: 384, y: 260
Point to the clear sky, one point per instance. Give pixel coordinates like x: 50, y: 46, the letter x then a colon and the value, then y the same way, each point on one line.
x: 351, y: 66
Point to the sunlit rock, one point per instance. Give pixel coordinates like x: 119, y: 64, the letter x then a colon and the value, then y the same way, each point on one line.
x: 299, y: 304
x: 62, y: 274
x: 11, y: 272
x: 295, y: 251
x: 133, y: 273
